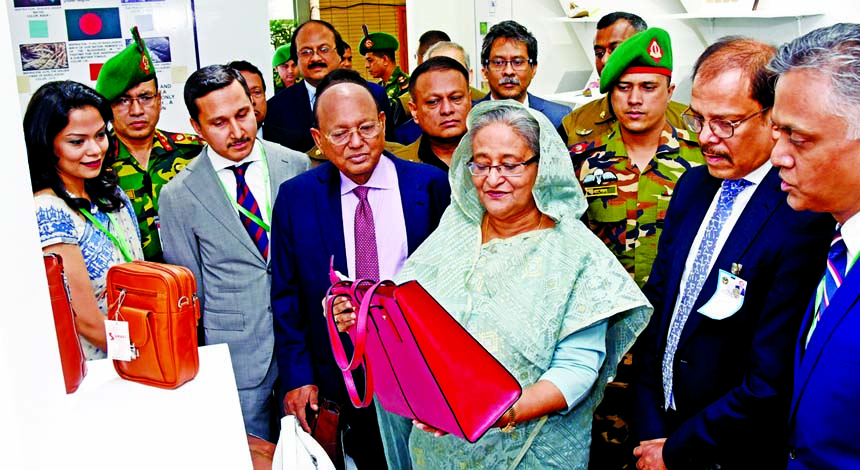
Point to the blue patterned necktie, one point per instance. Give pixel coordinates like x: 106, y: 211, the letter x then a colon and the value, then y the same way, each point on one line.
x: 246, y: 199
x: 698, y: 274
x: 837, y: 262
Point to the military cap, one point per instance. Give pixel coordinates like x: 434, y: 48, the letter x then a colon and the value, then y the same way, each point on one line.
x: 647, y: 52
x: 375, y: 42
x: 130, y: 67
x: 282, y: 55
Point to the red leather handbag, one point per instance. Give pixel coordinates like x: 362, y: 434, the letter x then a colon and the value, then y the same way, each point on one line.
x: 71, y: 353
x: 418, y: 360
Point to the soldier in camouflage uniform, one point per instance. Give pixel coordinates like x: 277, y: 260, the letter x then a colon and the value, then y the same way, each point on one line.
x: 628, y: 177
x: 143, y: 157
x: 594, y: 119
x: 378, y: 50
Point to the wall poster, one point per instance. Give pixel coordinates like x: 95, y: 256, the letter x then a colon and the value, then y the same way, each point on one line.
x: 71, y: 40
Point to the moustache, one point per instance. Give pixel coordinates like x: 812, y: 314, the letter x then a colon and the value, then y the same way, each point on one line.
x: 238, y: 142
x: 710, y: 150
x: 317, y: 65
x: 509, y: 81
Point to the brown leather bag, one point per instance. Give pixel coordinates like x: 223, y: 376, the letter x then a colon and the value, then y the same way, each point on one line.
x: 71, y: 353
x: 159, y: 302
x: 325, y: 429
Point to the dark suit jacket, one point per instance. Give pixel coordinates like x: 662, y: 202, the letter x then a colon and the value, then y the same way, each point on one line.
x: 825, y: 404
x: 307, y: 229
x: 553, y: 111
x: 732, y: 377
x: 289, y: 117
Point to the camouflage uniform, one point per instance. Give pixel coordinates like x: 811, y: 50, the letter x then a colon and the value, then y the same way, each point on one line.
x: 593, y: 120
x: 170, y: 154
x: 397, y: 85
x: 626, y: 210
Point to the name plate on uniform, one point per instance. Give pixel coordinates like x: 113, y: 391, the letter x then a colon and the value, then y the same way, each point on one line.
x: 597, y: 191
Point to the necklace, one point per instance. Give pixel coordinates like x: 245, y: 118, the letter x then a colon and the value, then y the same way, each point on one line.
x: 486, y: 229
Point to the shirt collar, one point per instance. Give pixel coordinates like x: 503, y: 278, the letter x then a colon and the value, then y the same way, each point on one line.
x: 384, y: 177
x: 312, y: 92
x: 221, y: 163
x: 851, y: 235
x: 525, y: 101
x: 757, y: 176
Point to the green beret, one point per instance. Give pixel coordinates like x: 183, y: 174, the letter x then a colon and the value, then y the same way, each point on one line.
x: 282, y: 55
x: 375, y: 42
x: 647, y: 52
x: 132, y: 66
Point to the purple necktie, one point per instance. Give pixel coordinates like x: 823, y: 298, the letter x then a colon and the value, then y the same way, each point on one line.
x: 247, y: 200
x: 366, y: 256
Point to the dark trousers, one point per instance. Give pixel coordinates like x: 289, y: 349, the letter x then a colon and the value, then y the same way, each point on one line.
x: 361, y: 438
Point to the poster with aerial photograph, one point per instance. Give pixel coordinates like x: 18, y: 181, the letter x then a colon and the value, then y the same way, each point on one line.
x: 44, y: 56
x: 72, y: 39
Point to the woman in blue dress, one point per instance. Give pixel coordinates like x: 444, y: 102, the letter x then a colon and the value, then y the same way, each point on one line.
x: 82, y: 214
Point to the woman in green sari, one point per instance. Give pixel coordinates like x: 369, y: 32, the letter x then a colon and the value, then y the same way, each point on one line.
x: 512, y: 262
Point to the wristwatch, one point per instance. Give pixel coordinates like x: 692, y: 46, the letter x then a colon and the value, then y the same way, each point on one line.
x: 512, y: 421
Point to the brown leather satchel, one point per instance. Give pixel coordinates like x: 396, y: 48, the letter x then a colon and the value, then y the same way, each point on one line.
x: 159, y: 302
x: 325, y: 429
x: 71, y: 353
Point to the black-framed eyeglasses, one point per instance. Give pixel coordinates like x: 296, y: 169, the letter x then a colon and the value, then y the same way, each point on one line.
x: 145, y: 100
x: 517, y: 63
x: 505, y: 169
x: 721, y: 128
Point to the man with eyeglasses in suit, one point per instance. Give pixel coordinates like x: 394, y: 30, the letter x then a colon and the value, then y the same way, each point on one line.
x: 144, y: 157
x: 509, y: 59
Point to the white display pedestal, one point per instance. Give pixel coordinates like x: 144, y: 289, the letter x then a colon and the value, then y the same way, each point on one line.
x: 111, y: 423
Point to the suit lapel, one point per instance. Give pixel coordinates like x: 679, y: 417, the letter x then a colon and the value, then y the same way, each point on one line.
x: 535, y: 102
x: 415, y: 200
x: 684, y: 242
x: 844, y: 299
x: 207, y: 188
x: 756, y: 214
x: 329, y: 218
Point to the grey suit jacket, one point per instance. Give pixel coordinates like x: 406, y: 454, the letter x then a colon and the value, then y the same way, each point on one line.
x: 200, y: 229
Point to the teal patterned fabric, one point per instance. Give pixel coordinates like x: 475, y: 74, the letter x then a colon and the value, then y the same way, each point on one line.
x: 519, y: 297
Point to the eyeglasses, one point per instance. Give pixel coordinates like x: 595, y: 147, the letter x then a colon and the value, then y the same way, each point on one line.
x: 518, y: 63
x: 721, y: 128
x: 368, y: 130
x: 144, y: 100
x: 505, y: 169
x: 307, y: 52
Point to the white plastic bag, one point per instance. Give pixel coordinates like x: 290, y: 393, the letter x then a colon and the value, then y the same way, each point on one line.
x: 297, y: 450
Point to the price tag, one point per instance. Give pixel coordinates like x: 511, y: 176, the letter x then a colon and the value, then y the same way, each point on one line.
x: 118, y: 342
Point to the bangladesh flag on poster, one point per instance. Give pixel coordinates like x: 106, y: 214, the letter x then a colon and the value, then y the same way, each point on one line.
x: 93, y: 23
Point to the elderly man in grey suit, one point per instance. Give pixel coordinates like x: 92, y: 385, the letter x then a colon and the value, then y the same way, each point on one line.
x: 215, y: 221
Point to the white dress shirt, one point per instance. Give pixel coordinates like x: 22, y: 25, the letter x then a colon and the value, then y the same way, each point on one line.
x: 253, y: 176
x: 743, y: 198
x: 388, y: 219
x: 312, y: 93
x: 525, y: 101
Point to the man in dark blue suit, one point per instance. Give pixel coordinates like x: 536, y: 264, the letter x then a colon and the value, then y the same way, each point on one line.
x: 509, y: 60
x: 818, y: 153
x: 323, y: 213
x: 289, y: 118
x: 734, y: 269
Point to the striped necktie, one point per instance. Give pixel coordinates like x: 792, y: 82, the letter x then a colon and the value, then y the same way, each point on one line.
x: 246, y: 199
x: 837, y: 262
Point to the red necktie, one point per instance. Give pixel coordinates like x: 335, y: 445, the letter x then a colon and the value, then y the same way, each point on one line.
x: 366, y: 256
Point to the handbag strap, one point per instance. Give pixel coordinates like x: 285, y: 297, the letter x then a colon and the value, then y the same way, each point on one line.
x: 334, y: 337
x: 532, y: 436
x: 360, y: 337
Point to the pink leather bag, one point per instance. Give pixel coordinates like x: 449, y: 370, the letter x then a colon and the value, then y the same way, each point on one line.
x: 419, y: 361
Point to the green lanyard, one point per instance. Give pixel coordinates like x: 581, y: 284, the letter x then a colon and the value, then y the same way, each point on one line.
x: 268, y: 207
x: 819, y: 293
x: 119, y: 243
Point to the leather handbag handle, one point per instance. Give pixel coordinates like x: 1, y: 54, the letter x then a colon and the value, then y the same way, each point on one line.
x: 336, y: 344
x: 361, y: 336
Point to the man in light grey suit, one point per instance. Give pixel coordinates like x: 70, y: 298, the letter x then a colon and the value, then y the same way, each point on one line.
x: 214, y: 221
